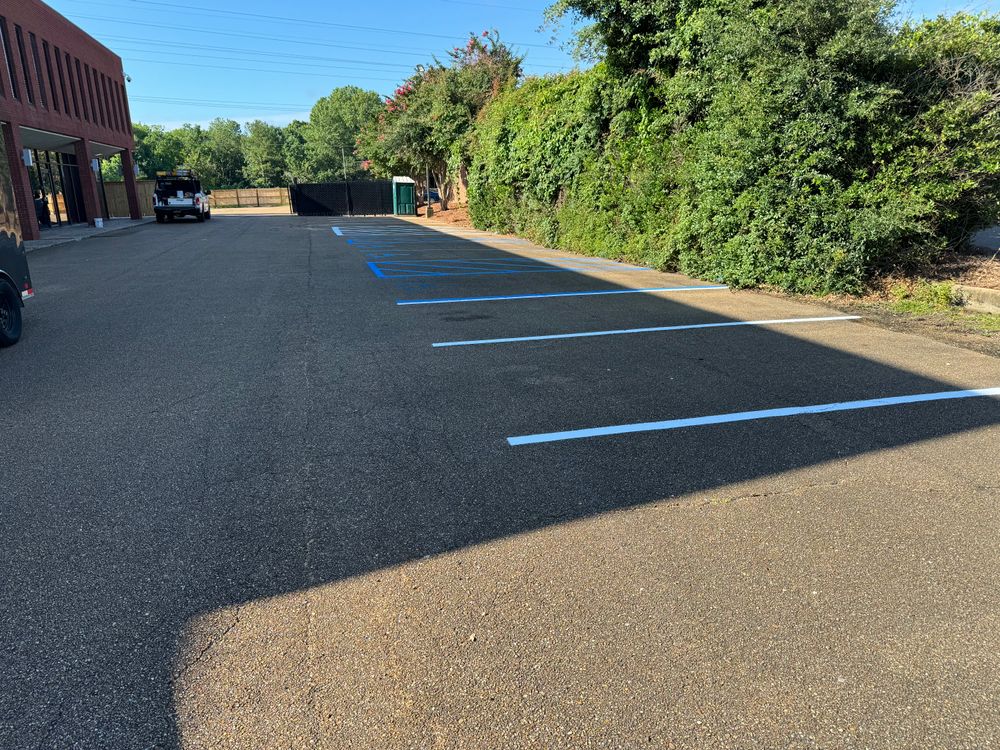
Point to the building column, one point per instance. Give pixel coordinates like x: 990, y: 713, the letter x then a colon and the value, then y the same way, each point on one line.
x: 88, y: 182
x: 131, y: 190
x: 23, y: 198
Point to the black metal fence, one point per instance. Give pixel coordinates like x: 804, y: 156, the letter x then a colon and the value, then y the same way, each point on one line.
x: 360, y: 198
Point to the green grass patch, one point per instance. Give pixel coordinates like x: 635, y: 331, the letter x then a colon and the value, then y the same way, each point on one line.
x: 924, y: 297
x: 980, y: 322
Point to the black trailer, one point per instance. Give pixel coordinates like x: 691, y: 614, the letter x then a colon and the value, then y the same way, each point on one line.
x: 15, y: 281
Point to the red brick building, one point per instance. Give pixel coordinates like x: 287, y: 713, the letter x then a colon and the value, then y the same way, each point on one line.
x: 63, y: 109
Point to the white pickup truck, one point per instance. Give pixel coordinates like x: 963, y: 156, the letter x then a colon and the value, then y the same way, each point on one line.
x: 179, y: 193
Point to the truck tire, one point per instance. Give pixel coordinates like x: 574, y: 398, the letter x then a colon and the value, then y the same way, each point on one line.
x: 10, y: 315
x: 160, y: 218
x: 201, y: 216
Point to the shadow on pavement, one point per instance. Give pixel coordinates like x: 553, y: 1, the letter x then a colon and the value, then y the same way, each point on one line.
x: 253, y: 415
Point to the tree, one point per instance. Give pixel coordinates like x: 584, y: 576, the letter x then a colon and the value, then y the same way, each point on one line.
x: 224, y: 139
x: 334, y: 126
x: 264, y: 156
x: 297, y: 165
x: 427, y: 123
x: 215, y: 153
x: 111, y: 169
x: 802, y: 144
x: 156, y: 149
x: 194, y: 153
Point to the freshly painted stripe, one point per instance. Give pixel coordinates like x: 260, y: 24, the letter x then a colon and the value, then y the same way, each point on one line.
x: 588, y: 334
x: 648, y: 290
x: 417, y: 274
x: 514, y: 262
x: 376, y: 270
x: 337, y: 231
x: 746, y: 416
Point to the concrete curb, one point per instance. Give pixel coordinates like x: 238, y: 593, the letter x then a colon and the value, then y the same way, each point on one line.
x: 108, y: 231
x: 979, y: 299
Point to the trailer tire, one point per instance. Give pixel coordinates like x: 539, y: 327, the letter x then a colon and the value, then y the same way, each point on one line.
x: 10, y: 315
x: 160, y: 218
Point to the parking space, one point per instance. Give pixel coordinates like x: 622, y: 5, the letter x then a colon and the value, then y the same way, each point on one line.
x: 697, y: 342
x: 275, y: 498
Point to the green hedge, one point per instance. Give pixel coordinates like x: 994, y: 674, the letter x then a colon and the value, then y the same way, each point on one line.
x: 808, y: 152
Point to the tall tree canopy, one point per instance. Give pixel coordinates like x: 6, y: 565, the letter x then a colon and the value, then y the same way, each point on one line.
x: 264, y: 155
x: 806, y: 144
x: 335, y: 123
x: 427, y: 123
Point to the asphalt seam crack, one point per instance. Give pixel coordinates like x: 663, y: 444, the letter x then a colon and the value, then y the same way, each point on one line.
x: 208, y: 647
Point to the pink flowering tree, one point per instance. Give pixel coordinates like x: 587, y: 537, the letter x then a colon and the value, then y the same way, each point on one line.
x: 428, y: 119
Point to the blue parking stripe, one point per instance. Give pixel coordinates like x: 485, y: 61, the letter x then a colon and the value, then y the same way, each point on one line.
x: 376, y: 270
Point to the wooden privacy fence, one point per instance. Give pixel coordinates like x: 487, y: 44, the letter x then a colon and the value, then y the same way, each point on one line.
x: 242, y: 198
x: 250, y: 197
x: 118, y: 201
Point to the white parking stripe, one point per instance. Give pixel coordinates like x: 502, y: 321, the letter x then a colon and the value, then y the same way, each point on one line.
x: 587, y: 334
x: 745, y: 416
x: 599, y: 292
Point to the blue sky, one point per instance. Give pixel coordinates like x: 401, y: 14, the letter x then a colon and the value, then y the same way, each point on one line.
x: 249, y: 59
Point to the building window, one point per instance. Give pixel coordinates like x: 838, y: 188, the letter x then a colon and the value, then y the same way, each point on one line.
x: 90, y: 94
x: 128, y: 115
x: 119, y: 96
x: 112, y: 114
x: 62, y: 80
x: 19, y: 36
x: 95, y: 109
x: 33, y: 40
x: 83, y: 90
x: 52, y: 78
x: 9, y: 59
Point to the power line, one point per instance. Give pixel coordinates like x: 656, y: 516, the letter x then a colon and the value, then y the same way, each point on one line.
x: 307, y: 21
x: 307, y: 65
x: 190, y: 30
x: 492, y: 5
x: 404, y: 71
x: 170, y: 45
x: 271, y: 109
x: 253, y: 53
x: 223, y: 101
x: 264, y: 70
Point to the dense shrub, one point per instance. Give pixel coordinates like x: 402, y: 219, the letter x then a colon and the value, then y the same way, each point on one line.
x: 805, y: 144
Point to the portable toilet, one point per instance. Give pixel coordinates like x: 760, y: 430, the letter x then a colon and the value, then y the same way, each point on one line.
x: 404, y: 196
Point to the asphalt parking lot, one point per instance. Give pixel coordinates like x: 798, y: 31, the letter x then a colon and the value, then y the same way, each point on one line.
x: 363, y: 483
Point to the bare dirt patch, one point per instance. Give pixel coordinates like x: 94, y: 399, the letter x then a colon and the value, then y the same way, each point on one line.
x: 457, y: 216
x: 972, y: 270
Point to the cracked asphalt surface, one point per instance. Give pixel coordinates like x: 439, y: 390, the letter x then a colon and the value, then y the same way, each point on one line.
x: 247, y: 505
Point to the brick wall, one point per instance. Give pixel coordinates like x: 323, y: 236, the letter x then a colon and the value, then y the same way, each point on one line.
x: 55, y: 77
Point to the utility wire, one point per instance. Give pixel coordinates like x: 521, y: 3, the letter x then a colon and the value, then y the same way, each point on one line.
x: 405, y: 70
x: 264, y: 70
x: 167, y: 46
x: 219, y: 101
x: 284, y: 55
x: 224, y: 105
x: 307, y: 21
x: 493, y: 5
x: 188, y: 29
